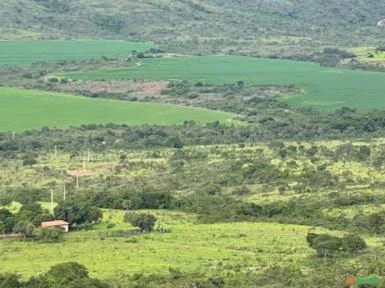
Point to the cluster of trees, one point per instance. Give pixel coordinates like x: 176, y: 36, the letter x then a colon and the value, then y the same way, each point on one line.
x: 65, y: 275
x: 329, y: 245
x: 144, y: 221
x: 78, y: 212
x: 327, y: 57
x: 342, y: 124
x: 276, y: 167
x: 25, y: 220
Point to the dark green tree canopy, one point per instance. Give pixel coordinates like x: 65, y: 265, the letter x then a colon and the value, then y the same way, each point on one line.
x: 77, y: 212
x: 66, y: 275
x: 144, y: 221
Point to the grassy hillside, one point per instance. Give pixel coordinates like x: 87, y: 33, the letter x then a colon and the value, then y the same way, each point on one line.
x: 27, y: 52
x: 324, y: 88
x: 196, y: 22
x: 36, y: 109
x: 327, y: 184
x: 190, y: 247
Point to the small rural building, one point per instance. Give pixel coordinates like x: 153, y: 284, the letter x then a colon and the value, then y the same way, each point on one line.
x: 56, y: 224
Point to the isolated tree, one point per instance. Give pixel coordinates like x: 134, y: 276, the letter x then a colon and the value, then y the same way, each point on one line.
x: 144, y: 221
x: 241, y: 84
x: 324, y: 244
x: 127, y: 204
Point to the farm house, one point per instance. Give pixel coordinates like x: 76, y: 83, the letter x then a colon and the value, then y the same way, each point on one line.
x: 56, y: 224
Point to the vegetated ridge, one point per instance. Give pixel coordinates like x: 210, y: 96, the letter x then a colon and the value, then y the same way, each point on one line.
x: 196, y: 23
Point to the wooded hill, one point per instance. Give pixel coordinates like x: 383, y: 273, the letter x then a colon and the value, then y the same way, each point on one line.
x: 186, y: 23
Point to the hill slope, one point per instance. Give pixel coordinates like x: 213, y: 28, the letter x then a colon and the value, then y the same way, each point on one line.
x: 196, y: 22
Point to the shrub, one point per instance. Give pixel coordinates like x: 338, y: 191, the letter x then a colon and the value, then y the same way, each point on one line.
x: 145, y: 222
x: 353, y: 244
x: 51, y: 235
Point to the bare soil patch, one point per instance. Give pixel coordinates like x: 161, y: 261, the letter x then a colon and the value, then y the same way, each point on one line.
x: 131, y: 88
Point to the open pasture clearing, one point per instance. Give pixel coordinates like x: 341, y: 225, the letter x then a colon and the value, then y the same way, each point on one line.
x: 324, y: 88
x: 29, y: 109
x: 28, y: 52
x: 369, y: 54
x: 189, y: 247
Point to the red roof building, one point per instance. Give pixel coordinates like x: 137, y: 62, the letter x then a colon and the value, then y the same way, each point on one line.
x: 56, y: 224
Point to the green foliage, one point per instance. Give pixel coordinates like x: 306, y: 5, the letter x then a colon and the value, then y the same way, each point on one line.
x: 377, y: 222
x: 328, y: 245
x: 29, y: 160
x: 268, y: 22
x: 77, y: 211
x: 353, y: 244
x: 325, y: 244
x: 52, y: 235
x: 68, y: 275
x: 4, y: 214
x: 144, y: 221
x: 9, y: 280
x: 33, y: 212
x: 323, y: 89
x: 25, y: 228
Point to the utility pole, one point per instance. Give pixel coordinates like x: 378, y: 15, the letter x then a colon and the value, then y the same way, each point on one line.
x: 89, y: 155
x: 77, y: 181
x: 13, y: 135
x: 55, y: 150
x: 84, y: 163
x: 52, y: 208
x: 64, y: 192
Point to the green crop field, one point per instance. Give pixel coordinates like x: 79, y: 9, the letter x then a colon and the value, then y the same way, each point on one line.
x: 28, y: 109
x: 27, y: 52
x: 324, y: 88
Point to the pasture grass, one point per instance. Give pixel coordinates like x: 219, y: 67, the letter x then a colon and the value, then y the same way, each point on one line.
x: 28, y: 52
x: 324, y: 88
x: 22, y: 109
x: 364, y: 52
x: 189, y: 247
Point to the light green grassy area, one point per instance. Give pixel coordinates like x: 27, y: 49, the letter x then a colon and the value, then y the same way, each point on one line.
x: 368, y: 54
x: 29, y: 109
x: 324, y: 88
x: 350, y: 212
x: 27, y: 52
x: 189, y: 247
x: 14, y: 207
